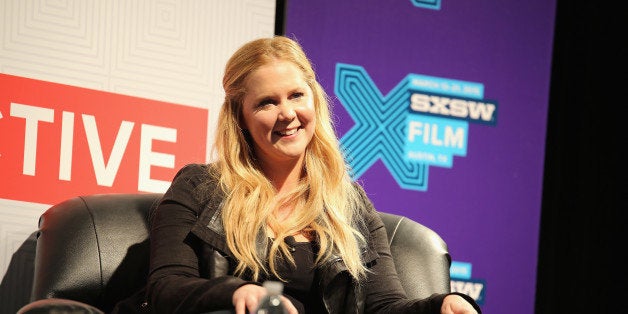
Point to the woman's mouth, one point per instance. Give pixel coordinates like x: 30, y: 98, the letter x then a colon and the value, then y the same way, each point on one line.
x: 287, y: 132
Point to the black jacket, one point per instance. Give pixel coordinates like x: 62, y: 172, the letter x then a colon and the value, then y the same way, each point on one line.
x: 191, y: 267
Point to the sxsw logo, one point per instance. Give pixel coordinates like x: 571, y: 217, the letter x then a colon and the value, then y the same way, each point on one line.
x: 421, y: 122
x: 472, y: 288
x: 461, y: 281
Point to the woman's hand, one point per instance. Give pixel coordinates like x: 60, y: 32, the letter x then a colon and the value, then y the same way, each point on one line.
x: 246, y: 299
x: 455, y: 304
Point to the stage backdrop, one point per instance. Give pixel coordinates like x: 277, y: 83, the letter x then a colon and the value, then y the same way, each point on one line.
x: 442, y: 106
x: 105, y: 97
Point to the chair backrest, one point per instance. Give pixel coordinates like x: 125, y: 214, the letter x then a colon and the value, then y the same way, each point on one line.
x: 421, y: 256
x: 94, y: 249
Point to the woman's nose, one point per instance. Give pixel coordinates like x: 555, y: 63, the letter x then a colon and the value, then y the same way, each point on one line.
x: 286, y: 111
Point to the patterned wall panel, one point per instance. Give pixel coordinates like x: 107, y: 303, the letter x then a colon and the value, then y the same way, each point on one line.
x: 166, y: 50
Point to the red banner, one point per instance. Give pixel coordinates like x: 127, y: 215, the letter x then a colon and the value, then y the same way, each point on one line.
x: 59, y: 141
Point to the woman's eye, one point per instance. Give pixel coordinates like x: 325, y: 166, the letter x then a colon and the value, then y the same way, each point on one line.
x: 265, y: 103
x: 297, y: 95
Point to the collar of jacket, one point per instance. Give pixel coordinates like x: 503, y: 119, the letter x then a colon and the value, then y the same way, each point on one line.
x: 208, y: 226
x: 210, y: 229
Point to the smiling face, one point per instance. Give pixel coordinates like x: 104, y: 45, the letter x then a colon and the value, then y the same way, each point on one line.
x: 278, y: 111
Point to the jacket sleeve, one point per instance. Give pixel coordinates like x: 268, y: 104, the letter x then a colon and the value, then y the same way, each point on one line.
x: 383, y: 290
x: 174, y: 283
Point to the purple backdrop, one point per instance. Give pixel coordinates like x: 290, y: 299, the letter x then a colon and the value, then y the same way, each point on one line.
x: 487, y: 205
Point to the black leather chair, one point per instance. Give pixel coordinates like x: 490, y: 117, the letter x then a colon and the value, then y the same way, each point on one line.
x: 92, y: 251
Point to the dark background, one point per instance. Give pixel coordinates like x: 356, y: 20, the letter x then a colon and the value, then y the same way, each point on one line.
x: 581, y: 266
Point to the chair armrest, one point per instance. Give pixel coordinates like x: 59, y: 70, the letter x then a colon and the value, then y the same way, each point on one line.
x: 56, y: 305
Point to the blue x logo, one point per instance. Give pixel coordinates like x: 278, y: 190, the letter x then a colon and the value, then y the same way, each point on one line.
x: 380, y: 124
x: 422, y: 122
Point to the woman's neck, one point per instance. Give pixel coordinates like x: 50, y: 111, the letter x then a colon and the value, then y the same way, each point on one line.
x: 284, y: 176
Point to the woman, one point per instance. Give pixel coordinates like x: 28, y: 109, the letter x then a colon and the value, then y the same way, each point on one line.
x: 277, y: 204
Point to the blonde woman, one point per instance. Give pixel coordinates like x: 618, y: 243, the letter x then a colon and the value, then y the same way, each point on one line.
x: 277, y: 204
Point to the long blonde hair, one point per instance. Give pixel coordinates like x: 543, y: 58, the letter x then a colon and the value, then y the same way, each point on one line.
x: 325, y: 200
